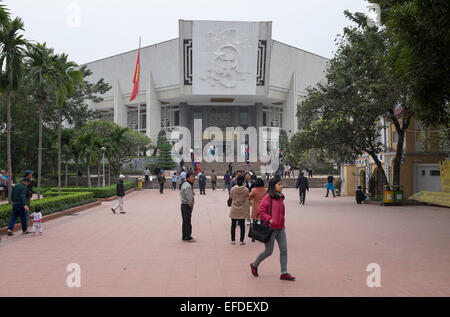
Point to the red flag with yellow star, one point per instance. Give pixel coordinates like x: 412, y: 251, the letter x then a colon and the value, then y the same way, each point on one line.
x: 136, y: 77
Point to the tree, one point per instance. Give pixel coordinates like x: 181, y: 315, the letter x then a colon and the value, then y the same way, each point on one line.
x: 43, y: 76
x: 68, y: 77
x: 11, y: 65
x: 165, y: 157
x: 344, y: 116
x: 420, y: 30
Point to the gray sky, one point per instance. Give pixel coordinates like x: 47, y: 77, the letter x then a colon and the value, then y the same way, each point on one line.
x: 110, y: 27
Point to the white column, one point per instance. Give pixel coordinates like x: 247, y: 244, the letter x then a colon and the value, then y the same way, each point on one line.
x: 120, y: 110
x: 153, y: 111
x: 290, y: 121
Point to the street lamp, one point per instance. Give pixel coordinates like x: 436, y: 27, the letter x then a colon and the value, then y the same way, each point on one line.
x: 103, y: 150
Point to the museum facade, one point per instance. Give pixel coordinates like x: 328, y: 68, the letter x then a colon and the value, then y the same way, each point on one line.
x: 229, y: 74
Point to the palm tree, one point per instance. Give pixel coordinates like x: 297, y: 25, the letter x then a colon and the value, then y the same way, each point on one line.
x: 43, y: 75
x: 88, y: 143
x: 11, y: 66
x: 68, y: 77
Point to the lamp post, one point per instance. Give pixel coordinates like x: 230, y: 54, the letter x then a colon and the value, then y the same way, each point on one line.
x: 103, y: 150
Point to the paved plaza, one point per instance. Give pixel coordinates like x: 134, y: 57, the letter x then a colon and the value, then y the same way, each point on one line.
x: 330, y: 244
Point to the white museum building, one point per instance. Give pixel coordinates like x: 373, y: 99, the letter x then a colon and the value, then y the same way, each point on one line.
x: 229, y: 74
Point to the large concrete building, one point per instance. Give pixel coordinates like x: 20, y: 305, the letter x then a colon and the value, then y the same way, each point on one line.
x: 228, y: 74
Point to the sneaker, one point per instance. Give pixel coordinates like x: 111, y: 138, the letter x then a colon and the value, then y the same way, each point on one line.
x: 26, y: 232
x: 123, y: 213
x: 10, y: 233
x: 242, y: 243
x: 287, y: 277
x: 254, y: 270
x: 192, y: 240
x: 112, y: 209
x: 233, y: 242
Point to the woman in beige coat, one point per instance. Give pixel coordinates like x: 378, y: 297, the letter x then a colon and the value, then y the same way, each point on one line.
x: 240, y: 209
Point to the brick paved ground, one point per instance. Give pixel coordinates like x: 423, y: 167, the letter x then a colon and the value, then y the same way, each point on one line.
x: 330, y: 242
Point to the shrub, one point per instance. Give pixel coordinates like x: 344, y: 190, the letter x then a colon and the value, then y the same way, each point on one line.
x: 99, y: 192
x: 50, y: 205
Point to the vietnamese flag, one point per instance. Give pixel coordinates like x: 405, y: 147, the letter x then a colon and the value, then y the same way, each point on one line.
x: 136, y: 76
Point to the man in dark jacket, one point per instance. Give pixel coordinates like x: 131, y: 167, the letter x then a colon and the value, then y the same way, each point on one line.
x: 20, y: 208
x: 303, y: 186
x: 157, y: 171
x: 120, y: 192
x: 202, y: 183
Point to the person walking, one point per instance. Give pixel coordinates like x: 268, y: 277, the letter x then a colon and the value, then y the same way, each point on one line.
x: 202, y: 183
x: 214, y: 180
x: 120, y: 193
x: 302, y: 186
x: 310, y: 172
x: 272, y: 212
x: 37, y: 220
x: 20, y: 208
x: 187, y: 206
x: 240, y: 209
x: 330, y: 186
x: 227, y: 181
x: 256, y: 196
x: 182, y: 178
x: 162, y: 182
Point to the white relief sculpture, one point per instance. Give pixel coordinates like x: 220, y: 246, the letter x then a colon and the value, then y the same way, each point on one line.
x: 227, y: 60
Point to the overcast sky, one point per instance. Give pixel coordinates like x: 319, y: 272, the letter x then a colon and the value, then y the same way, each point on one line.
x: 108, y: 27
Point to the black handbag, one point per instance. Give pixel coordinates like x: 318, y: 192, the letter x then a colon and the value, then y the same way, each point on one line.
x: 259, y: 232
x: 229, y: 202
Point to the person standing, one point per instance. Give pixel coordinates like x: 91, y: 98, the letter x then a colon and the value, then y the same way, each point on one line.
x: 240, y: 209
x: 214, y: 180
x: 120, y: 193
x: 330, y: 186
x: 157, y: 171
x: 202, y: 183
x: 147, y: 175
x: 20, y: 208
x: 4, y: 182
x: 192, y: 154
x: 187, y: 206
x: 162, y: 182
x: 174, y: 181
x: 227, y: 180
x: 360, y: 197
x: 230, y: 168
x: 37, y: 220
x: 272, y: 212
x: 29, y: 175
x: 257, y: 194
x: 302, y: 186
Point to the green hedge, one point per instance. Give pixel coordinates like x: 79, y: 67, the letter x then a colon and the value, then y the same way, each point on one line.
x: 99, y: 192
x: 50, y: 205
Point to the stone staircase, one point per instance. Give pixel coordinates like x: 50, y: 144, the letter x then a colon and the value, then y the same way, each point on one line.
x: 318, y: 182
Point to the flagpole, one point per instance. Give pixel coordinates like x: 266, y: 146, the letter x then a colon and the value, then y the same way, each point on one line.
x: 139, y: 102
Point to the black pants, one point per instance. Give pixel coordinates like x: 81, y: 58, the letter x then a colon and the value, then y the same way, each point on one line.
x: 186, y: 213
x: 174, y: 186
x: 147, y: 178
x: 161, y: 188
x: 202, y: 190
x: 302, y: 196
x: 241, y: 223
x: 214, y: 185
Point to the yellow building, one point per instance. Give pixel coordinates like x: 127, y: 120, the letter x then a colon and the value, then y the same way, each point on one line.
x: 420, y: 163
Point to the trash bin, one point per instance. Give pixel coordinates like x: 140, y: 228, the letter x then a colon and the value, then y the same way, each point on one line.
x: 398, y: 195
x: 388, y: 195
x: 140, y: 182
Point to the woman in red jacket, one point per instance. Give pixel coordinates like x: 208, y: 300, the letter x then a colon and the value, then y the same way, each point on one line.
x: 272, y: 212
